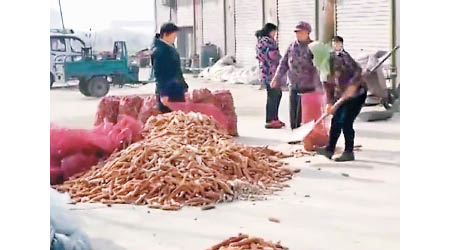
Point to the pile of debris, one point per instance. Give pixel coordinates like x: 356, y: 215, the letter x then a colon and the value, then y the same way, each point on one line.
x: 217, y: 104
x: 244, y: 242
x: 226, y: 69
x: 183, y: 159
x: 299, y: 153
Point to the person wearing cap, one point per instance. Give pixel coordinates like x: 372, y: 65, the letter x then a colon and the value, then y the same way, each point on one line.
x: 166, y: 63
x: 346, y: 94
x: 268, y: 56
x: 297, y: 63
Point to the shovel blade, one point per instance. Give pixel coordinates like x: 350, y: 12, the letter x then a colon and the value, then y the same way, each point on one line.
x: 300, y: 133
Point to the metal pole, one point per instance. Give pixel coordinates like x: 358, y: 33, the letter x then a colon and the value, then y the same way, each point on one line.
x: 394, y: 41
x: 156, y: 17
x: 234, y: 27
x: 335, y: 17
x: 278, y: 24
x: 263, y: 12
x: 225, y: 26
x: 203, y: 35
x: 326, y: 12
x: 60, y: 11
x: 194, y: 28
x: 316, y: 36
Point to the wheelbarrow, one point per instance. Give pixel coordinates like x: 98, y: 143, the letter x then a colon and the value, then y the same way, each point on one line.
x: 375, y: 79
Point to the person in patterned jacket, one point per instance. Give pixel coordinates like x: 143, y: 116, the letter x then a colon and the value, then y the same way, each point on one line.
x: 346, y: 94
x: 269, y: 57
x: 303, y: 77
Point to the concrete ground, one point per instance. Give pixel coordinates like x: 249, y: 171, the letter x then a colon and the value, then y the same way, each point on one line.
x: 321, y: 210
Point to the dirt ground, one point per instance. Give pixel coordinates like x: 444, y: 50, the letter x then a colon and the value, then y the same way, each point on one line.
x: 328, y: 205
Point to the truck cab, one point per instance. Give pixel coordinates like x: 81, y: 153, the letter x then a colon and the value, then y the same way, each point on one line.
x: 64, y: 45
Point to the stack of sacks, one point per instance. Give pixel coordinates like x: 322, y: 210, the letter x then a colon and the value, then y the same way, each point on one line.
x: 130, y: 106
x: 108, y: 110
x: 224, y: 101
x: 313, y: 106
x: 75, y: 150
x: 218, y: 104
x: 149, y: 108
x: 221, y: 107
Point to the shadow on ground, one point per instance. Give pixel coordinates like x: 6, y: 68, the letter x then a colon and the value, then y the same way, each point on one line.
x: 65, y: 87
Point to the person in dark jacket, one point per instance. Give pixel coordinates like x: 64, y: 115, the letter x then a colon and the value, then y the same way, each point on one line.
x: 346, y: 95
x: 269, y: 57
x: 303, y: 77
x: 170, y: 83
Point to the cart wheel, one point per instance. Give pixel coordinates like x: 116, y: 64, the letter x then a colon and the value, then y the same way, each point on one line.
x: 52, y: 80
x: 83, y: 87
x: 98, y: 86
x: 389, y: 102
x: 397, y: 91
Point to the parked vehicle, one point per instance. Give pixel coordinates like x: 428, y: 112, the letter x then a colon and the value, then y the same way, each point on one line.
x: 143, y: 58
x: 95, y: 73
x: 63, y: 44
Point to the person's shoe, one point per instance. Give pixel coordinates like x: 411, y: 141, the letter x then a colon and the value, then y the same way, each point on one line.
x: 282, y: 123
x: 273, y: 125
x: 325, y: 152
x: 346, y: 156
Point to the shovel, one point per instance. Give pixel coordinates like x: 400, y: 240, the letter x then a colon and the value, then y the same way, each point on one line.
x: 301, y: 132
x: 304, y: 130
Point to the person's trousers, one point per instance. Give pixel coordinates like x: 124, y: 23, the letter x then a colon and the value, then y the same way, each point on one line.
x: 272, y: 104
x: 174, y: 90
x: 295, y: 108
x: 343, y: 120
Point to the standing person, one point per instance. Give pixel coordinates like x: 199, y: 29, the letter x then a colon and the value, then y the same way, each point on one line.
x: 170, y: 83
x: 269, y: 57
x: 297, y: 62
x: 346, y: 86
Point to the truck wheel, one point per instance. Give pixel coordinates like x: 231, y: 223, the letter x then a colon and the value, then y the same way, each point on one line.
x: 83, y: 87
x: 52, y: 80
x: 98, y: 86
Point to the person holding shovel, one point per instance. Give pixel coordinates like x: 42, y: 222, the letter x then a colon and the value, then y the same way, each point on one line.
x: 297, y: 62
x: 166, y: 62
x: 346, y: 95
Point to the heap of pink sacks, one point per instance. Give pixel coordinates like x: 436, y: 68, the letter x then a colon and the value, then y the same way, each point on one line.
x: 75, y: 150
x: 313, y: 106
x: 218, y: 104
x: 119, y: 121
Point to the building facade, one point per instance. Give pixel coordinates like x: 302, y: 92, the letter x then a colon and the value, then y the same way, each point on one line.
x: 366, y: 25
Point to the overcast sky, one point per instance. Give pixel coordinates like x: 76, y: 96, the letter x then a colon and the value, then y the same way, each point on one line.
x: 80, y: 15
